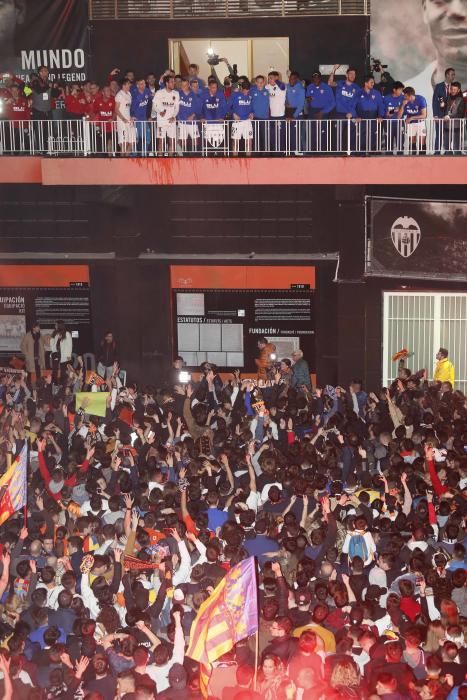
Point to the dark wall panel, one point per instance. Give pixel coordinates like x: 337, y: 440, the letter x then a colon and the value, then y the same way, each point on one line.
x: 132, y: 296
x: 351, y: 331
x: 313, y: 40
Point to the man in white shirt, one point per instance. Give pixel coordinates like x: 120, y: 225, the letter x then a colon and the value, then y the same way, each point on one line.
x: 277, y: 97
x: 53, y: 589
x: 159, y: 670
x: 165, y: 106
x: 126, y: 132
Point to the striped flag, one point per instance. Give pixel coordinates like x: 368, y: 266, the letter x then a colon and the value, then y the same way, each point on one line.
x: 227, y: 616
x: 13, y: 486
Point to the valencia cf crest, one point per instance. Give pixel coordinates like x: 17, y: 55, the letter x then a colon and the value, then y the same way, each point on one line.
x: 406, y: 235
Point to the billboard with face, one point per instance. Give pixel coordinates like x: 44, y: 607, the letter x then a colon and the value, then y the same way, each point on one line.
x: 419, y: 40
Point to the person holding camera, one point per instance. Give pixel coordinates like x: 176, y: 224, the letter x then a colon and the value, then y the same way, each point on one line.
x: 266, y: 357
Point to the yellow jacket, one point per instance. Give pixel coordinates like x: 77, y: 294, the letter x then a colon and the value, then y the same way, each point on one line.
x: 444, y: 371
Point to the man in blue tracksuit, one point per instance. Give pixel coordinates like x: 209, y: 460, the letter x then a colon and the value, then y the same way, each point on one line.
x: 346, y: 94
x: 140, y: 109
x: 242, y: 114
x: 413, y: 110
x: 321, y: 103
x: 294, y: 104
x: 370, y: 106
x: 392, y: 105
x: 188, y: 113
x: 260, y: 107
x: 213, y: 114
x: 213, y: 104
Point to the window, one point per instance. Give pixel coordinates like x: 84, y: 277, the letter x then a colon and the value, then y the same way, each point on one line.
x: 423, y: 322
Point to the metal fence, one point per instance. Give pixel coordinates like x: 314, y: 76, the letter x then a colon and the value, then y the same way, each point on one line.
x: 179, y: 9
x: 301, y: 137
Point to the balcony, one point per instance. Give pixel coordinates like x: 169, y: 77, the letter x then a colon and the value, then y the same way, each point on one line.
x: 269, y: 152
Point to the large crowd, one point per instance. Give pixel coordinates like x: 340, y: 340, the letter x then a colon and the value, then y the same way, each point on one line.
x: 352, y: 502
x: 150, y: 115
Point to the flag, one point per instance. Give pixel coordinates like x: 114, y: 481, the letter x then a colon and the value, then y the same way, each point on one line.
x: 94, y: 378
x: 13, y: 486
x: 227, y: 616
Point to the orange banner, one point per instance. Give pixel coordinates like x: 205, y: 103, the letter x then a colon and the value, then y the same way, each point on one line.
x: 240, y: 276
x: 42, y: 275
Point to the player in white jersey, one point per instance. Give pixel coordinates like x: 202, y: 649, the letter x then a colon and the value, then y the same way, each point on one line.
x: 277, y: 98
x: 277, y: 95
x: 165, y: 106
x: 126, y: 131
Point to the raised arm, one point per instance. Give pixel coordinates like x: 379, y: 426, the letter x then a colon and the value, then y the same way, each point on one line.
x: 438, y: 487
x: 183, y: 573
x: 201, y: 548
x: 130, y: 543
x: 407, y: 505
x: 8, y: 685
x: 179, y: 641
x: 155, y: 641
x: 304, y: 512
x: 332, y: 78
x: 224, y: 460
x: 282, y: 588
x: 331, y: 531
x: 5, y: 573
x: 251, y: 473
x: 350, y: 592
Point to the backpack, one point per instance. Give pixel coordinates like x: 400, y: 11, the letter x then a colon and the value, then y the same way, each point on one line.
x: 358, y: 547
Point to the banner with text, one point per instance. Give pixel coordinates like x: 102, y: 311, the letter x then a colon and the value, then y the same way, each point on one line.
x: 43, y: 294
x: 53, y: 33
x: 417, y: 239
x: 222, y: 311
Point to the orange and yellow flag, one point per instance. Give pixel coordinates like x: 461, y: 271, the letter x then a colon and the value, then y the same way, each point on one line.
x: 13, y: 491
x: 227, y: 616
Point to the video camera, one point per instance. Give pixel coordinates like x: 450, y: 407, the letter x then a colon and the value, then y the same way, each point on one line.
x: 376, y: 66
x: 213, y: 58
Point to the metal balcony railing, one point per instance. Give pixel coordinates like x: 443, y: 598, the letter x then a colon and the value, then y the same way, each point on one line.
x: 273, y: 137
x: 179, y: 9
